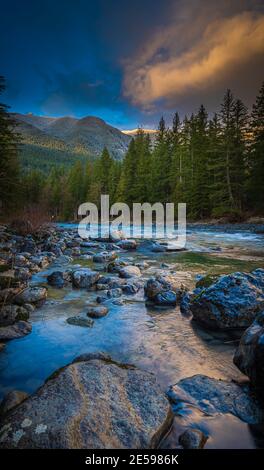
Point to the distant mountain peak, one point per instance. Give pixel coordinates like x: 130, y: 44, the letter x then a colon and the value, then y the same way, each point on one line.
x: 90, y: 133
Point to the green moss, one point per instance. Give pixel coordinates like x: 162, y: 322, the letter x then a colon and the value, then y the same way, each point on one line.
x: 207, y: 281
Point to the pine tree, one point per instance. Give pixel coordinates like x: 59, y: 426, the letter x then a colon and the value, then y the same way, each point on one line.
x: 256, y: 180
x: 9, y: 165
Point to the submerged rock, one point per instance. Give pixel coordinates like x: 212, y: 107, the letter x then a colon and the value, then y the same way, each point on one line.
x: 214, y: 396
x: 231, y: 302
x: 97, y: 311
x: 192, y: 439
x: 93, y: 404
x: 12, y: 399
x: 249, y: 356
x: 19, y: 329
x: 84, y: 278
x: 79, y: 320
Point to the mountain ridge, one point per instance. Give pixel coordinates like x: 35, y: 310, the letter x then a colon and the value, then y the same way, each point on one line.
x: 89, y: 135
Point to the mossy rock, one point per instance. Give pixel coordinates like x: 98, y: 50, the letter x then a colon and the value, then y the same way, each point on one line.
x: 207, y: 281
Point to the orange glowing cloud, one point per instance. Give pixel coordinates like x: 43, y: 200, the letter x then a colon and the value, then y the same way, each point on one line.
x: 223, y: 45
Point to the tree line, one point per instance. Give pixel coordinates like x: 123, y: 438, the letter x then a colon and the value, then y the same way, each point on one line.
x: 215, y: 164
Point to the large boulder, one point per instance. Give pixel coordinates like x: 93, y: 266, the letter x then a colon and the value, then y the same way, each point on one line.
x: 12, y: 399
x: 231, y: 302
x: 18, y: 330
x: 94, y: 404
x: 84, y: 278
x: 249, y: 356
x: 9, y: 314
x: 31, y: 295
x: 213, y: 396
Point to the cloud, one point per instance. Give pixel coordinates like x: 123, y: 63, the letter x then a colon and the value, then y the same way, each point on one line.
x: 192, y: 56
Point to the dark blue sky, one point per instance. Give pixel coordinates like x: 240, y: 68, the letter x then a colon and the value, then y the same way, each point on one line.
x: 127, y: 62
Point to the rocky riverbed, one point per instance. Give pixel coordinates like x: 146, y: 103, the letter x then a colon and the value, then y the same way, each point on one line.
x: 86, y: 321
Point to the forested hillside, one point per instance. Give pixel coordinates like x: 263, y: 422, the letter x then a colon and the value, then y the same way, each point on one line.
x: 214, y: 164
x: 49, y: 142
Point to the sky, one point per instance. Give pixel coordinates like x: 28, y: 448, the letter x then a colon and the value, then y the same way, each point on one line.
x: 129, y: 62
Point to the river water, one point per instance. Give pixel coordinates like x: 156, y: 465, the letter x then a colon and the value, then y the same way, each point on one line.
x: 161, y: 341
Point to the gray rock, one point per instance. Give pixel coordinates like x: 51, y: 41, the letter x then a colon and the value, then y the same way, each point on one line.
x: 127, y: 244
x: 12, y: 399
x: 96, y: 311
x: 9, y: 314
x: 114, y: 266
x: 231, y: 302
x: 31, y: 295
x: 214, y: 396
x: 155, y: 286
x: 192, y: 439
x: 129, y: 271
x: 249, y: 356
x: 2, y: 346
x: 84, y: 278
x: 56, y: 279
x: 166, y: 299
x: 79, y: 320
x: 91, y: 405
x: 104, y: 257
x: 19, y: 329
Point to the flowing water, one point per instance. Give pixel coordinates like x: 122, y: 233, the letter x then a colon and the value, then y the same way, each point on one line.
x: 162, y: 341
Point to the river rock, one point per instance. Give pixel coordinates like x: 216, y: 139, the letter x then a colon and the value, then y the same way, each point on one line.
x: 31, y: 295
x: 104, y: 257
x: 97, y: 311
x: 231, y: 302
x: 12, y: 399
x: 93, y: 404
x: 127, y: 272
x: 127, y: 244
x: 84, y: 278
x: 214, y: 396
x: 56, y: 279
x: 192, y: 439
x: 114, y: 266
x: 9, y: 314
x: 19, y: 329
x: 167, y: 298
x: 249, y: 356
x: 79, y: 320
